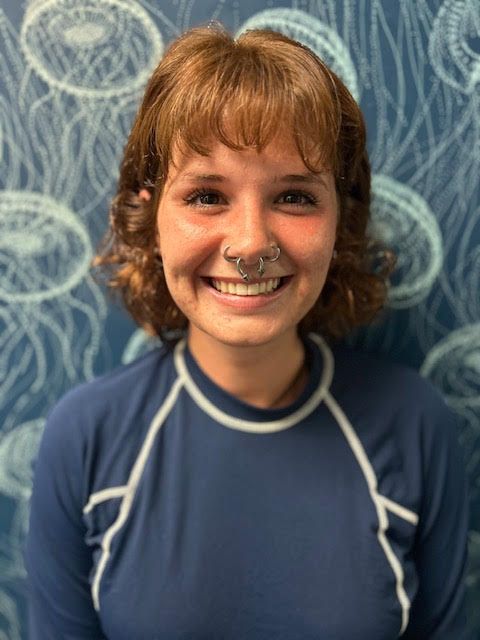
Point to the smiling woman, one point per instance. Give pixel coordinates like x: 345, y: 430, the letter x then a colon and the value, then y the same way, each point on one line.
x: 249, y: 479
x: 240, y: 94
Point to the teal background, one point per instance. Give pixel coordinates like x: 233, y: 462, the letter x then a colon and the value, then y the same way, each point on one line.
x: 71, y: 76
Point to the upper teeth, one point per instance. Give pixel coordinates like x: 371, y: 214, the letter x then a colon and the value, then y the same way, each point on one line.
x: 242, y: 289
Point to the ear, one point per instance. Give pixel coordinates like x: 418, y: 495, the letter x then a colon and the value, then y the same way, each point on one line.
x: 144, y: 195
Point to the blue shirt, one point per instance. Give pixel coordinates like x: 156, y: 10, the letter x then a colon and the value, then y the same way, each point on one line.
x: 166, y: 509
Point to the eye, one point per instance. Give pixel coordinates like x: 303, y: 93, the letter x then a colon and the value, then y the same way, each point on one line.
x: 204, y: 198
x: 298, y: 199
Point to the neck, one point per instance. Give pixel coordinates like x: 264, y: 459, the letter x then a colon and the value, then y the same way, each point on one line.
x: 269, y: 375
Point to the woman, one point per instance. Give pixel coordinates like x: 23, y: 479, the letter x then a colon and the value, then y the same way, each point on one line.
x: 253, y: 481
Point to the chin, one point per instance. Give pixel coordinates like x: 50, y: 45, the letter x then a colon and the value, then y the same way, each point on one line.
x: 246, y: 341
x: 248, y: 335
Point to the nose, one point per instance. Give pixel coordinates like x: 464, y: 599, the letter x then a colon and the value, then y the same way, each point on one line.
x: 251, y: 236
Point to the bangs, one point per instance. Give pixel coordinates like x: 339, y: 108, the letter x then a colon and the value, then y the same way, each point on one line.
x: 244, y: 99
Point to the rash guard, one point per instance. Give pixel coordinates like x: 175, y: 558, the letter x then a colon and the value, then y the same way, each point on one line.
x: 164, y: 508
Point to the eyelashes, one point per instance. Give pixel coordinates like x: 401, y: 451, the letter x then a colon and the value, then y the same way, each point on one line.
x: 204, y: 198
x: 291, y: 198
x: 298, y: 198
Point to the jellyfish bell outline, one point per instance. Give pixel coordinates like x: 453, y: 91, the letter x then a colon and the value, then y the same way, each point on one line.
x: 452, y: 58
x: 403, y: 220
x: 91, y: 50
x: 453, y: 365
x: 45, y: 250
x: 313, y: 33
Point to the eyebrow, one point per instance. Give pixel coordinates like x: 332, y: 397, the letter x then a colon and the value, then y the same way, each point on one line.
x: 202, y: 177
x: 303, y: 178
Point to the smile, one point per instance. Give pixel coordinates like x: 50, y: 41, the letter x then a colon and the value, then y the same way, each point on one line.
x: 241, y: 289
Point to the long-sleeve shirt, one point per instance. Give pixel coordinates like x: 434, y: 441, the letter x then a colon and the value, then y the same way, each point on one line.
x: 164, y: 508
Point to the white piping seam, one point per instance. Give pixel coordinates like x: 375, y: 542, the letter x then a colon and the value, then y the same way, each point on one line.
x: 248, y: 425
x: 398, y: 510
x: 101, y: 496
x: 367, y: 469
x: 133, y: 480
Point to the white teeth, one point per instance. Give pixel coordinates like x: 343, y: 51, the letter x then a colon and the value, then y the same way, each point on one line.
x: 241, y: 289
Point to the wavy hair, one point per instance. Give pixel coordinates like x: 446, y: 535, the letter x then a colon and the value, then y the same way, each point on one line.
x: 210, y: 86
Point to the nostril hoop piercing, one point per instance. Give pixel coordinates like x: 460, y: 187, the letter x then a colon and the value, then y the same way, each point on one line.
x: 242, y: 265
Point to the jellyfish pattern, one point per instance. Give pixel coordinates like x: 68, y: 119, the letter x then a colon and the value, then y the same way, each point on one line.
x: 71, y: 75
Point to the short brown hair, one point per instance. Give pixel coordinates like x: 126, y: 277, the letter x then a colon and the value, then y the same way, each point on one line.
x: 257, y: 84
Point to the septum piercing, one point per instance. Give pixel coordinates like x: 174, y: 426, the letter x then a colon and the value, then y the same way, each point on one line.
x: 241, y: 264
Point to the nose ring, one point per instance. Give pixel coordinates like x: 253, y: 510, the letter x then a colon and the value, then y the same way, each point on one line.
x: 241, y: 264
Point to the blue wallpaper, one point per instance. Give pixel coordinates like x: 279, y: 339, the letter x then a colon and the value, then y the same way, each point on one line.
x: 71, y: 75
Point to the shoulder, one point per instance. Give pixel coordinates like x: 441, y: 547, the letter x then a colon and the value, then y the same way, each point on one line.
x: 387, y: 385
x: 94, y: 433
x: 408, y: 433
x: 392, y: 406
x: 128, y: 393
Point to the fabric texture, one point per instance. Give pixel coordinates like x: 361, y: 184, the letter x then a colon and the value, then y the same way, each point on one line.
x: 165, y: 509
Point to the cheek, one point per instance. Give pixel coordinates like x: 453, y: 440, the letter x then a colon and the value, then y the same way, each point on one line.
x: 174, y: 235
x: 184, y: 245
x: 313, y: 238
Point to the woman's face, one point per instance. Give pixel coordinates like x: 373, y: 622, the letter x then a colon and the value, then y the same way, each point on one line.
x: 247, y: 201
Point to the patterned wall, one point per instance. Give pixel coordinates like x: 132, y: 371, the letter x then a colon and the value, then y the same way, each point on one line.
x: 71, y: 74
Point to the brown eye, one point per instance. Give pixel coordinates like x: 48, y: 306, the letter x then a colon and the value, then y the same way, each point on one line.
x: 294, y: 198
x: 297, y: 199
x: 209, y: 198
x: 204, y: 198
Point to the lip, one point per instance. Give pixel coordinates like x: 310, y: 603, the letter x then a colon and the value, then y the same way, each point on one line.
x: 241, y: 281
x: 245, y: 303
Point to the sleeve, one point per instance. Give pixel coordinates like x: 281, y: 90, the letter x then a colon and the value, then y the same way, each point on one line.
x: 57, y: 559
x: 438, y: 611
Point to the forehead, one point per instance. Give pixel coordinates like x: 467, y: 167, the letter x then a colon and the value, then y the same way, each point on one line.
x: 281, y: 154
